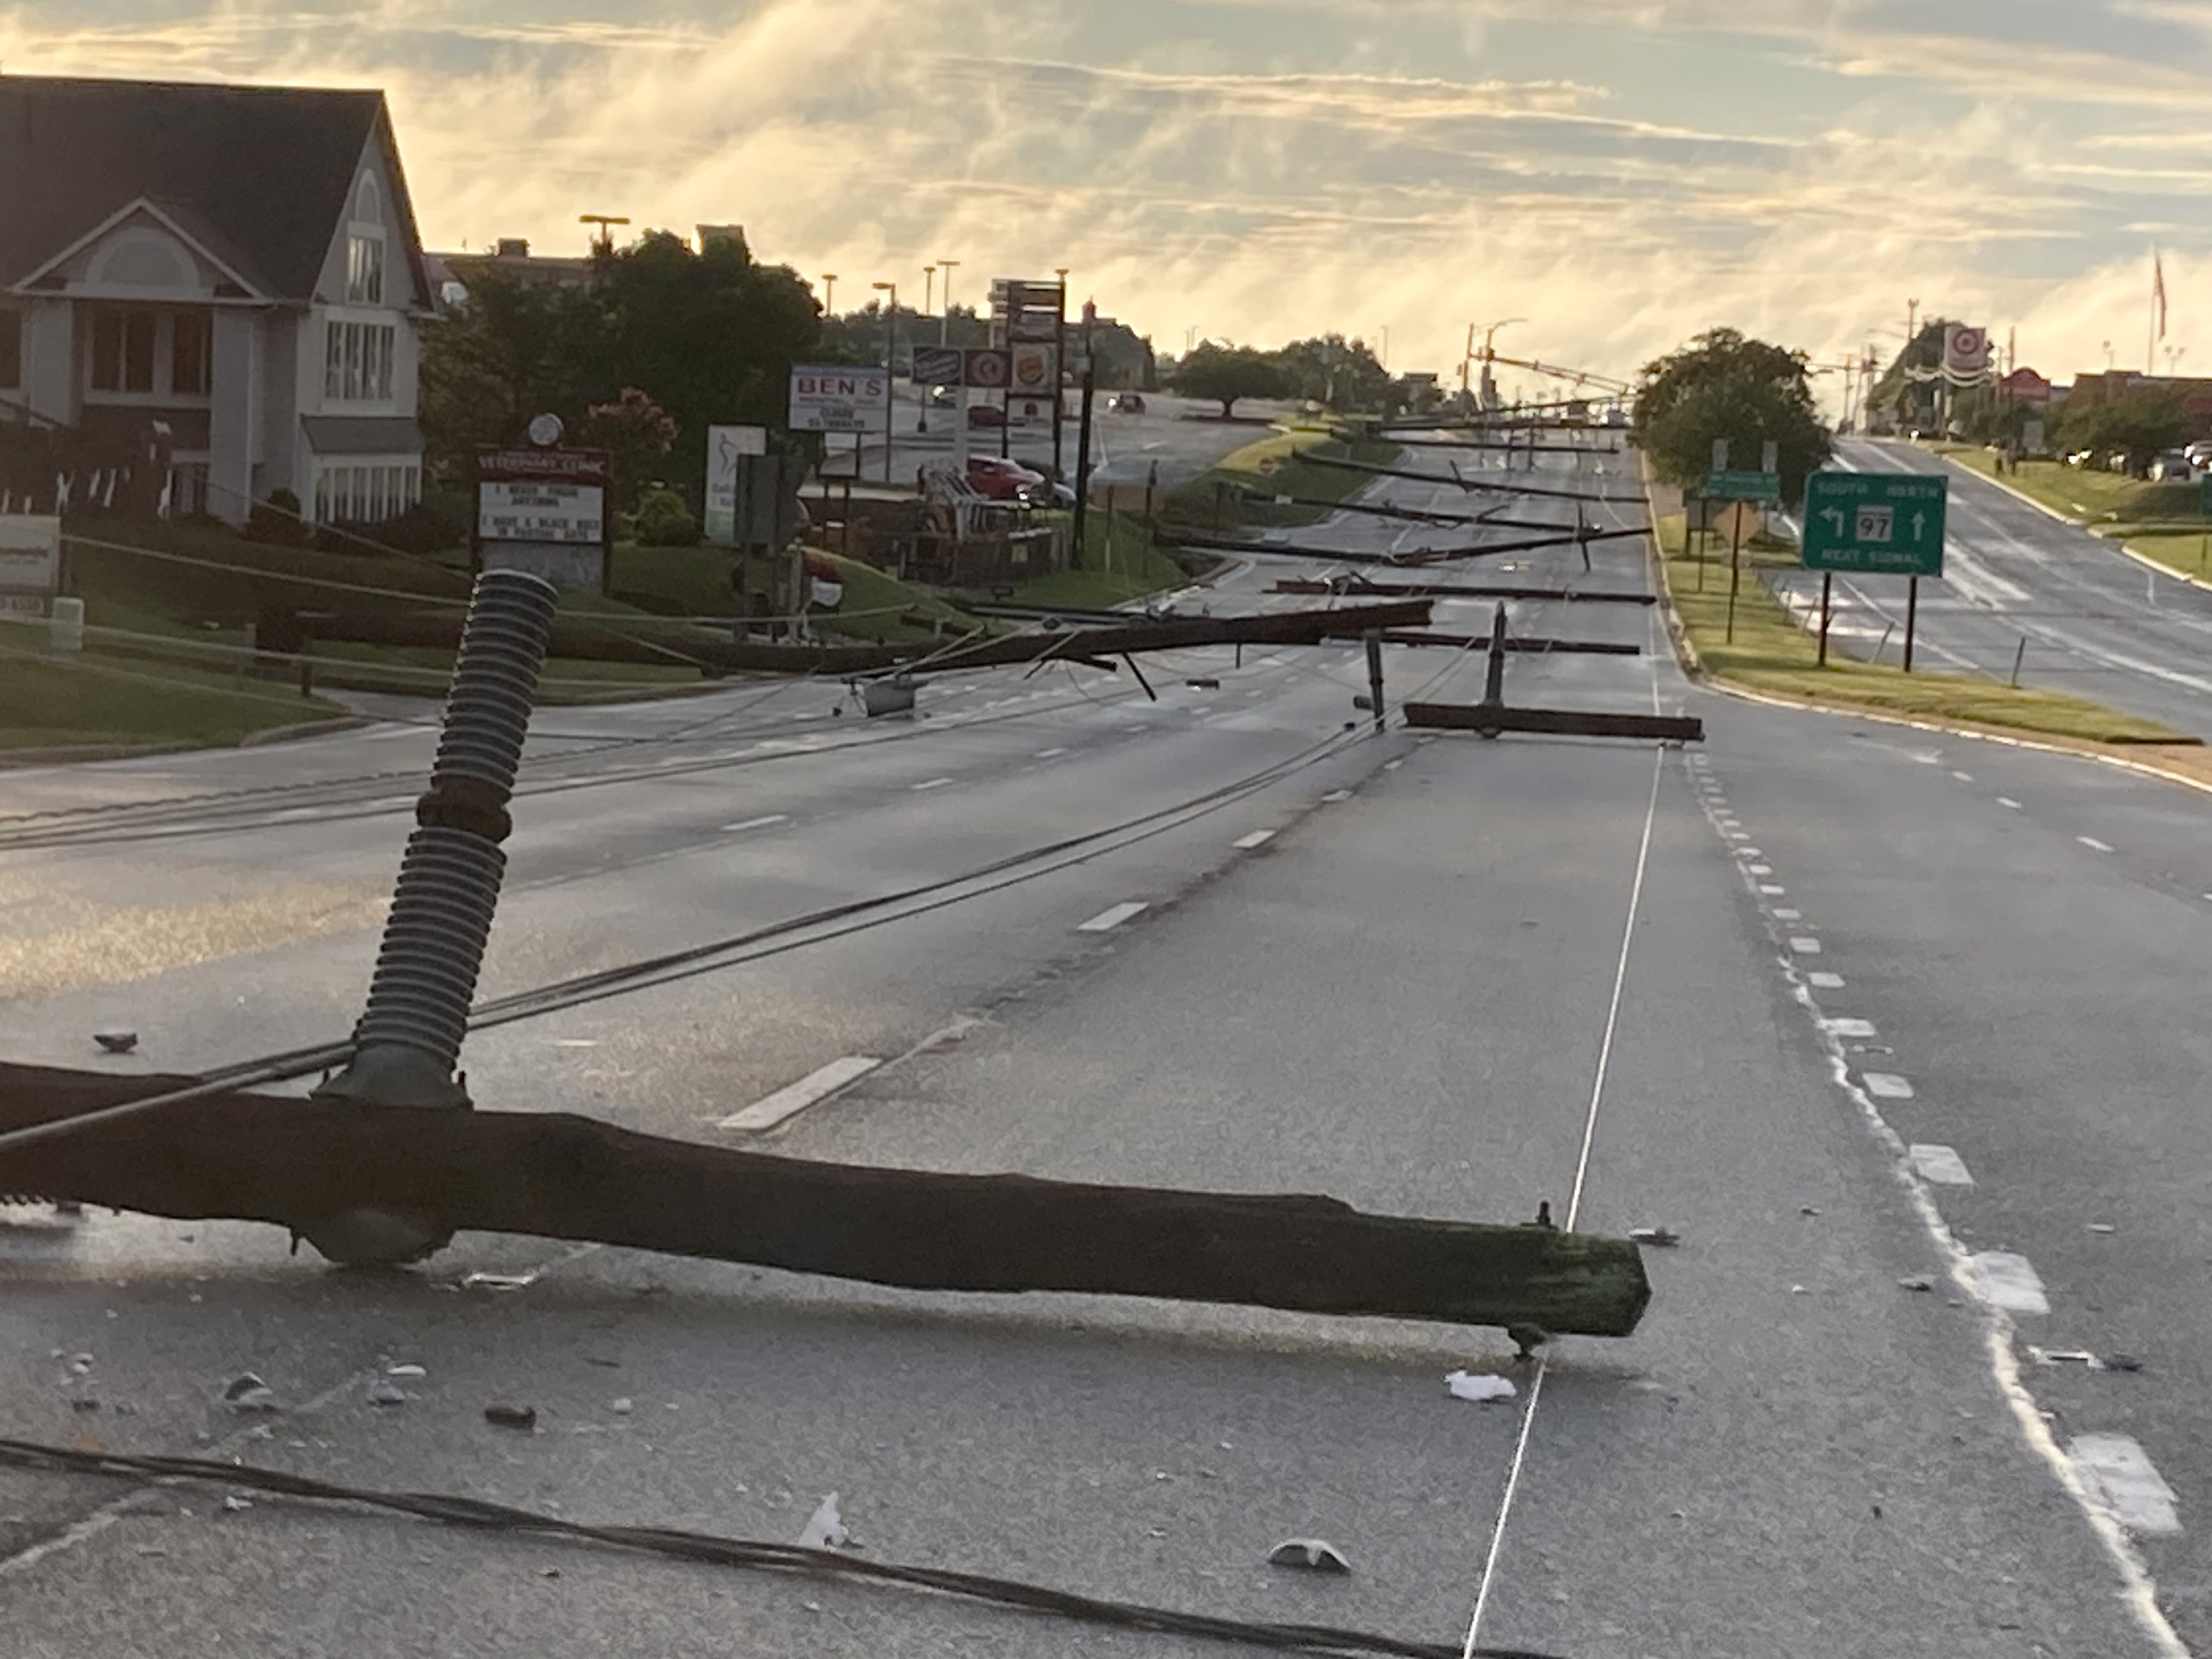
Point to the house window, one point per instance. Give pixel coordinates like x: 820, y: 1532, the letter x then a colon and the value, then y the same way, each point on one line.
x: 357, y: 361
x: 11, y: 349
x: 123, y: 350
x: 189, y: 332
x: 364, y: 269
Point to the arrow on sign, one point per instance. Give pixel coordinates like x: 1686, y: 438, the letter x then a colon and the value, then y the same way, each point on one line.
x: 1919, y: 525
x: 1834, y: 515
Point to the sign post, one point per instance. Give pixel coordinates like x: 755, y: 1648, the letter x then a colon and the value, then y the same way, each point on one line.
x: 1738, y: 485
x: 1875, y: 523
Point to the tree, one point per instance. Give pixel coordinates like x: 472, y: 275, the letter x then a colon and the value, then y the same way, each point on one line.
x: 1724, y: 386
x: 2142, y: 423
x: 512, y: 349
x: 1227, y: 374
x: 636, y: 433
x: 1335, y: 372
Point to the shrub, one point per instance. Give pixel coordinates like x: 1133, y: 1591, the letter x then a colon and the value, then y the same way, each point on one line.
x: 662, y: 520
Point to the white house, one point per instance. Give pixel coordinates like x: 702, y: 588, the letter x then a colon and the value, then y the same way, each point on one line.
x: 238, y: 263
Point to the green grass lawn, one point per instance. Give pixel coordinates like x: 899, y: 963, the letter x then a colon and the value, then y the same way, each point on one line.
x: 1772, y: 653
x: 1119, y: 564
x: 99, y: 698
x: 1240, y: 487
x: 2089, y: 496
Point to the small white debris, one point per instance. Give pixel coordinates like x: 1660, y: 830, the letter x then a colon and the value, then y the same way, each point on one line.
x: 2102, y: 1227
x: 248, y: 1393
x: 1314, y: 1554
x: 1915, y: 1282
x: 1665, y: 1237
x: 1479, y: 1386
x: 383, y: 1392
x: 404, y: 1371
x: 825, y: 1530
x: 484, y: 1281
x: 621, y: 1407
x: 234, y: 1502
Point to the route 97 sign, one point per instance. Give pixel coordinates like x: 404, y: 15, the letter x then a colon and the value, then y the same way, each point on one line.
x: 1875, y: 523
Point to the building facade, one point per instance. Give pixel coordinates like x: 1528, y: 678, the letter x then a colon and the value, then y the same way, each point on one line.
x: 228, y: 274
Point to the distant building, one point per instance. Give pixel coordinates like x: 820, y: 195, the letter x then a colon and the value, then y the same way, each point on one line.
x: 238, y: 264
x: 2194, y: 391
x: 1124, y: 358
x: 510, y: 256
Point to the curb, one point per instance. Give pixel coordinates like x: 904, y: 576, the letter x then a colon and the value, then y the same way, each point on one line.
x: 85, y: 754
x: 2166, y: 570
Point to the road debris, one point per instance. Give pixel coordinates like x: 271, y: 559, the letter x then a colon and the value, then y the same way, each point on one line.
x: 2123, y: 1362
x: 233, y: 1503
x: 404, y: 1371
x: 1479, y: 1386
x: 2102, y: 1227
x: 248, y: 1393
x: 116, y: 1043
x: 1312, y: 1554
x: 825, y: 1530
x: 621, y: 1407
x: 1915, y: 1282
x: 511, y: 1417
x: 385, y: 1392
x: 1665, y: 1237
x: 484, y: 1281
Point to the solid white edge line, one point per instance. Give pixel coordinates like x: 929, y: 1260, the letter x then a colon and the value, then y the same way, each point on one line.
x: 1574, y: 1208
x: 771, y: 1109
x: 1113, y: 916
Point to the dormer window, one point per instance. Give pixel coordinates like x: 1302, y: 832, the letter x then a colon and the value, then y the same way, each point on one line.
x: 364, y: 267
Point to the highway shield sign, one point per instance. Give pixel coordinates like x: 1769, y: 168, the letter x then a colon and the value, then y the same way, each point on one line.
x: 1883, y: 523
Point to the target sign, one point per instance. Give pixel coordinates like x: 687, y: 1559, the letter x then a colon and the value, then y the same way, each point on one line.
x: 1966, y: 351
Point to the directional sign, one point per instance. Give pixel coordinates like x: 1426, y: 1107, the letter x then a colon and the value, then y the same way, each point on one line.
x: 1739, y: 484
x: 1875, y: 523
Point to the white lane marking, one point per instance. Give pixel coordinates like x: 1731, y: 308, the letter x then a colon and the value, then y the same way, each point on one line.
x: 1760, y: 869
x: 2093, y: 844
x: 1773, y: 889
x: 1888, y: 1085
x: 1046, y: 754
x: 2008, y: 801
x: 1746, y: 852
x: 760, y: 822
x: 1939, y: 1164
x: 1847, y: 1026
x: 1111, y: 918
x: 929, y: 783
x: 1393, y: 765
x: 1737, y: 835
x: 795, y: 1097
x: 1825, y: 981
x: 1338, y: 795
x: 1805, y: 945
x: 1574, y: 1209
x: 1789, y: 915
x: 2120, y: 1476
x: 1964, y: 777
x: 2005, y: 1281
x: 1257, y: 838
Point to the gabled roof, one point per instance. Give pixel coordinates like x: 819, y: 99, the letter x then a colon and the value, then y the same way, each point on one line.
x: 263, y: 172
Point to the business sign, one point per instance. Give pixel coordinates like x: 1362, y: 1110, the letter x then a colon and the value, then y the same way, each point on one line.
x: 989, y: 367
x: 1740, y: 485
x: 839, y: 397
x: 1966, y: 351
x: 726, y: 448
x: 1882, y: 524
x: 1033, y: 376
x: 30, y: 556
x: 1032, y: 311
x: 543, y: 511
x: 940, y: 366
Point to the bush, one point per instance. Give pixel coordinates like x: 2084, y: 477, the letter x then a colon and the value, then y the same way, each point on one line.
x: 662, y: 520
x: 422, y: 529
x: 277, y: 521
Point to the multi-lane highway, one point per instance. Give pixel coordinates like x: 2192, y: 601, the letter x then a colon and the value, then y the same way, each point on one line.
x: 1895, y: 1032
x: 2070, y: 609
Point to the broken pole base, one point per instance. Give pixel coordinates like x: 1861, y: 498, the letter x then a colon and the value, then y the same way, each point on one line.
x: 296, y: 1164
x: 1490, y: 718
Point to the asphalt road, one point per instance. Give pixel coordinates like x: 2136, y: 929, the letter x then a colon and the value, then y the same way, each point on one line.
x: 2075, y: 612
x: 1721, y: 990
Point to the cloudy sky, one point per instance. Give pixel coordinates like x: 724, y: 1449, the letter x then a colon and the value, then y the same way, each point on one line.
x: 1620, y: 174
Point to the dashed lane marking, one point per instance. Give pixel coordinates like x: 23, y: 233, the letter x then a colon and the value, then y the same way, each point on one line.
x: 1964, y: 777
x: 2093, y: 844
x: 1338, y: 795
x: 1939, y: 1164
x: 1760, y: 869
x: 2008, y: 801
x: 1789, y: 915
x: 794, y: 1098
x: 929, y: 783
x: 1825, y: 981
x: 1392, y: 765
x: 1257, y: 838
x: 2122, y: 1479
x: 1888, y: 1085
x: 1773, y: 889
x: 1112, y: 917
x: 1805, y: 945
x: 1847, y: 1026
x: 1046, y: 754
x: 760, y: 822
x: 2006, y: 1280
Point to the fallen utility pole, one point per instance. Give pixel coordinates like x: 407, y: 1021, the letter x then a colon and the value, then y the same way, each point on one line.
x: 1018, y: 650
x: 1518, y: 448
x: 304, y: 1165
x: 1314, y: 457
x: 1417, y: 557
x: 1529, y: 644
x: 1493, y: 716
x: 1458, y: 591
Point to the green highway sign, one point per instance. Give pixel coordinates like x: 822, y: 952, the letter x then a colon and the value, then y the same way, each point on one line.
x: 1738, y: 484
x: 1883, y: 523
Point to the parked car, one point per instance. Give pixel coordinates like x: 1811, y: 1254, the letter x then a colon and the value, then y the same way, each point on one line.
x: 986, y: 415
x: 2170, y: 467
x: 1125, y: 403
x: 1001, y: 480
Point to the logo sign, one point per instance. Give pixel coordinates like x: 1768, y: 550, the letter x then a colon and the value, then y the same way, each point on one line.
x: 726, y: 448
x: 1033, y: 375
x: 30, y: 553
x: 839, y: 397
x: 989, y: 367
x: 543, y: 511
x: 1875, y: 523
x: 1966, y: 351
x: 940, y: 366
x: 1739, y: 484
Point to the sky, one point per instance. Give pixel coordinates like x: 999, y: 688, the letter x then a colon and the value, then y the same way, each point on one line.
x: 1615, y: 174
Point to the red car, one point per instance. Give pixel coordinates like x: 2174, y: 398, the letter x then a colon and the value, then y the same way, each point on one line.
x: 1001, y: 480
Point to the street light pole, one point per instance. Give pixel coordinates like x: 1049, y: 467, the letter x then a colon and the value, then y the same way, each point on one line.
x: 829, y: 292
x: 891, y: 366
x: 945, y: 316
x: 921, y: 397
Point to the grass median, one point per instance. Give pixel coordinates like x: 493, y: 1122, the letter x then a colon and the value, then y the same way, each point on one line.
x: 94, y: 699
x: 1771, y: 654
x: 1241, y: 489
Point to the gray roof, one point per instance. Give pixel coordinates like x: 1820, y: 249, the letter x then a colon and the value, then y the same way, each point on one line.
x: 362, y: 435
x: 260, y: 174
